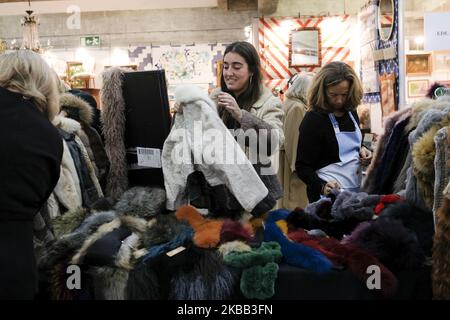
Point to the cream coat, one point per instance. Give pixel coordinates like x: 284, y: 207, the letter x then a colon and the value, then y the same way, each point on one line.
x: 294, y: 188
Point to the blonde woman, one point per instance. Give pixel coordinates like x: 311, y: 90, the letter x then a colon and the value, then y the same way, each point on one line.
x: 294, y: 111
x: 329, y: 150
x: 30, y: 158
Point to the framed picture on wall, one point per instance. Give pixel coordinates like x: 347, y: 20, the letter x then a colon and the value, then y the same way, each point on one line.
x: 417, y: 88
x: 305, y: 48
x: 441, y: 61
x: 418, y: 64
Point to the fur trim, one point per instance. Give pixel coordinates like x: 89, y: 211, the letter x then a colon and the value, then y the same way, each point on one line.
x: 389, y: 241
x: 143, y: 202
x: 113, y: 119
x: 237, y: 246
x: 67, y: 124
x: 68, y: 100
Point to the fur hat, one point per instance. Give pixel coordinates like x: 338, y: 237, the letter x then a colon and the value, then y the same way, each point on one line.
x: 142, y: 202
x: 388, y: 240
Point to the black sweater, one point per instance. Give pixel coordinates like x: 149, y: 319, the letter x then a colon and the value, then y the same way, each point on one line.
x: 318, y: 147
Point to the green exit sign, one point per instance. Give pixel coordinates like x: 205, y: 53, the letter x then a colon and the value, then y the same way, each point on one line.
x: 93, y: 41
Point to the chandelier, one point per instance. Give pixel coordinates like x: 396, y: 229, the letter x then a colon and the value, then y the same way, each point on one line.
x: 30, y: 39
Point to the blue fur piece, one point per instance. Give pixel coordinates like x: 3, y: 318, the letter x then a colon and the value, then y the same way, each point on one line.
x: 296, y: 254
x: 280, y: 214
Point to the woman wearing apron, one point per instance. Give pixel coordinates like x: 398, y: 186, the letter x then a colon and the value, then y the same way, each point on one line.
x: 329, y: 153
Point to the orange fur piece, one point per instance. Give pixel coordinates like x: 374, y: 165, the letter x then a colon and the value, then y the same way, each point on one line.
x: 207, y: 231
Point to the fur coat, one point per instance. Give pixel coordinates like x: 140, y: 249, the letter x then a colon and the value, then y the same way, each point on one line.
x: 441, y: 243
x: 241, y: 178
x: 294, y: 188
x: 79, y: 110
x: 424, y: 151
x: 389, y: 124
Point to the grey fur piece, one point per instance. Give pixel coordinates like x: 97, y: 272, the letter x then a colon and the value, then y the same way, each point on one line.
x: 163, y: 230
x: 113, y: 129
x: 209, y: 279
x: 110, y: 283
x: 69, y: 221
x: 358, y: 205
x: 142, y: 202
x: 429, y: 118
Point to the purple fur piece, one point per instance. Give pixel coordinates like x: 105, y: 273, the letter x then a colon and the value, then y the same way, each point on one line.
x: 388, y: 240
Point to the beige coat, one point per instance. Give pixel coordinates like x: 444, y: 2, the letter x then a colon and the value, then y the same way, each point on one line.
x: 267, y: 108
x: 294, y: 188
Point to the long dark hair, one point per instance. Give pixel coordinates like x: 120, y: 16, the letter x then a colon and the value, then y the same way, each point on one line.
x: 245, y: 100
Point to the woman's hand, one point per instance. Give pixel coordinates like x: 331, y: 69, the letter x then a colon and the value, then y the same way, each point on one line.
x: 365, y: 156
x: 330, y: 185
x: 227, y: 101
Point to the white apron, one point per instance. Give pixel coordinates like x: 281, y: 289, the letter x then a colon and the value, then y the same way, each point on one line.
x: 347, y: 172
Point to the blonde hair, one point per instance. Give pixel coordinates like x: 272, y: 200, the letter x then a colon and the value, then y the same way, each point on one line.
x: 332, y: 74
x: 26, y: 73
